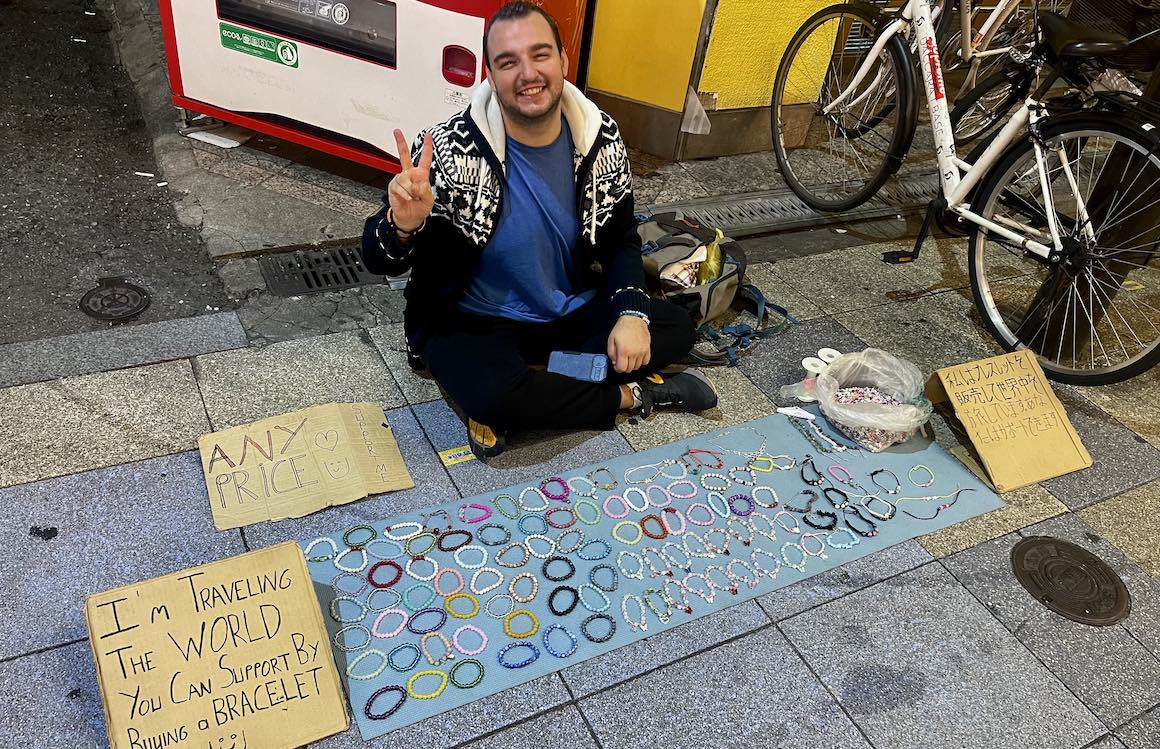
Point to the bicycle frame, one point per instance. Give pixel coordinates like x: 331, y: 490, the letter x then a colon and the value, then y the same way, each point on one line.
x: 956, y: 176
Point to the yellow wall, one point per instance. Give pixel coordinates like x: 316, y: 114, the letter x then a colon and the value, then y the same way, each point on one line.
x: 748, y: 39
x: 643, y: 49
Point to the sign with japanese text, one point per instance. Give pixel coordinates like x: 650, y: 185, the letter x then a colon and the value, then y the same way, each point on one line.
x: 292, y: 465
x: 1012, y: 417
x: 229, y: 655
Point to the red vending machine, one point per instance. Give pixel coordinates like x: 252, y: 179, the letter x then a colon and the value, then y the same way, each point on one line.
x: 336, y: 76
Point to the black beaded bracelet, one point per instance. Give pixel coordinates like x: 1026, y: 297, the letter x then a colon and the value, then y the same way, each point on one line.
x: 592, y: 638
x: 557, y: 591
x: 557, y: 579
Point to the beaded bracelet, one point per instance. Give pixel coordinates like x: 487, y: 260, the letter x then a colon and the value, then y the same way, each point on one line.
x: 340, y: 635
x: 448, y: 650
x: 728, y: 585
x: 811, y: 497
x: 449, y: 601
x: 512, y: 513
x: 666, y: 570
x: 587, y: 623
x: 612, y: 570
x: 525, y: 519
x: 515, y: 581
x: 438, y: 512
x: 546, y: 638
x: 403, y: 619
x: 756, y: 519
x: 671, y: 512
x: 452, y: 675
x: 515, y: 614
x: 441, y: 543
x: 657, y: 468
x: 666, y: 498
x: 389, y: 711
x: 424, y: 612
x: 474, y: 506
x: 702, y: 553
x: 507, y: 535
x: 469, y: 628
x: 682, y: 483
x: 769, y: 571
x: 499, y: 557
x: 891, y: 509
x: 682, y: 469
x: 471, y: 565
x: 862, y: 522
x: 627, y: 524
x: 414, y: 552
x: 384, y: 591
x: 754, y: 578
x: 544, y: 504
x: 639, y: 573
x: 693, y: 455
x: 659, y: 534
x: 418, y: 586
x: 723, y: 547
x: 874, y: 480
x: 323, y: 540
x: 854, y: 540
x: 650, y: 597
x: 590, y: 556
x: 595, y: 608
x: 746, y: 537
x: 920, y: 466
x: 821, y: 552
x: 711, y: 518
x: 415, y: 656
x: 422, y: 578
x: 530, y: 541
x: 353, y: 575
x: 378, y: 566
x: 562, y: 548
x: 560, y: 496
x: 350, y: 674
x: 818, y: 479
x: 475, y: 586
x: 535, y: 653
x: 828, y: 524
x: 346, y: 537
x: 392, y: 530
x: 335, y: 615
x: 771, y: 505
x: 736, y: 499
x: 590, y: 492
x: 635, y: 491
x: 594, y: 518
x: 623, y: 504
x: 362, y: 566
x: 800, y: 566
x: 607, y: 485
x: 499, y: 597
x: 640, y: 624
x: 719, y: 476
x: 556, y: 579
x: 571, y: 521
x: 557, y: 591
x: 793, y: 528
x: 720, y: 507
x: 666, y: 551
x: 398, y: 550
x: 732, y: 474
x: 443, y: 679
x: 706, y: 594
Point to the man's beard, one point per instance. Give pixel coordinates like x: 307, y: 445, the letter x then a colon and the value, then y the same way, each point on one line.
x: 513, y: 112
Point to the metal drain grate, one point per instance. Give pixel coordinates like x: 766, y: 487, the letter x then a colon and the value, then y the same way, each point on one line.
x: 313, y: 271
x: 780, y: 210
x: 1071, y: 581
x: 114, y: 300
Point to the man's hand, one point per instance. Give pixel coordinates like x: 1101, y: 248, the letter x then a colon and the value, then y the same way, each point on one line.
x: 629, y: 344
x: 410, y: 193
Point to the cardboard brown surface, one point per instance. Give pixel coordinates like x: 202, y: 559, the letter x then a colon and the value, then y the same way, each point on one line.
x: 229, y: 654
x: 1007, y: 409
x: 292, y: 465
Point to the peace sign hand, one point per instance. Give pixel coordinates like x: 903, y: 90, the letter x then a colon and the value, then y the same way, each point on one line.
x: 410, y: 193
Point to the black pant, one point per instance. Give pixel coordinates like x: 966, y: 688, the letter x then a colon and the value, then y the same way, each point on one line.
x: 483, y: 364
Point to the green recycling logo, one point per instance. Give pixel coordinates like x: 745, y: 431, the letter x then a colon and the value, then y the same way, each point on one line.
x: 288, y: 53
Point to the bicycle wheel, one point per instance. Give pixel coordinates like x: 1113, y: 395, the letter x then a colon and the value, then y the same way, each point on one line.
x: 836, y: 161
x: 982, y: 109
x: 1091, y: 313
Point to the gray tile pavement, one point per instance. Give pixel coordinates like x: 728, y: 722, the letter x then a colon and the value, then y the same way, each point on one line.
x: 392, y: 344
x: 1142, y: 732
x: 731, y: 697
x: 920, y: 664
x: 59, y: 547
x: 560, y: 728
x: 779, y: 361
x: 51, y: 700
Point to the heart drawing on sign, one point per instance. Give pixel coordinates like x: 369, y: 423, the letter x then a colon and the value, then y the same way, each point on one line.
x: 327, y: 440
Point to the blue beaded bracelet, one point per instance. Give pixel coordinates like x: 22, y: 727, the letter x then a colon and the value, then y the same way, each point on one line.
x: 548, y: 644
x: 590, y: 556
x: 519, y: 664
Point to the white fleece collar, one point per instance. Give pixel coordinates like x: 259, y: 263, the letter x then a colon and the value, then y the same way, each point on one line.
x: 582, y: 115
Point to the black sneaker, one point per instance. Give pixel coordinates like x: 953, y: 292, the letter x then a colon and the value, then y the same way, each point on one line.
x: 485, y: 442
x: 689, y: 390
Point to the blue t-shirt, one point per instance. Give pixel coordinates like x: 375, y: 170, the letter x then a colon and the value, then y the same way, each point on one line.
x: 525, y: 271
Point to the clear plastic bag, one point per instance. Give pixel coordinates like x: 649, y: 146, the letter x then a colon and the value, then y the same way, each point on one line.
x: 875, y: 423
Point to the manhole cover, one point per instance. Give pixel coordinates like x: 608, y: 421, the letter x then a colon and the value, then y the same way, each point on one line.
x: 114, y: 300
x: 310, y: 271
x: 1071, y: 581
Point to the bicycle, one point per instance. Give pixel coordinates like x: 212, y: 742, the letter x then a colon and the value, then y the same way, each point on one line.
x: 1054, y: 267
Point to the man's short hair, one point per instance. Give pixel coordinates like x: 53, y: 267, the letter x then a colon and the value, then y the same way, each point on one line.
x: 519, y: 9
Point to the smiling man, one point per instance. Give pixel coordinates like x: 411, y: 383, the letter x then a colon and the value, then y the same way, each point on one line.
x: 517, y: 222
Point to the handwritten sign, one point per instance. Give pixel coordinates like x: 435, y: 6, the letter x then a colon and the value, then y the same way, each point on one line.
x: 229, y: 655
x: 1012, y: 417
x: 301, y: 462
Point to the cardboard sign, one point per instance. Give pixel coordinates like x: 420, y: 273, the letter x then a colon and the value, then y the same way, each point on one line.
x: 1009, y: 413
x: 229, y: 655
x: 292, y: 465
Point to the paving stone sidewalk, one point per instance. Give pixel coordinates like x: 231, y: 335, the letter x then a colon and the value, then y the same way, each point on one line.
x: 930, y: 644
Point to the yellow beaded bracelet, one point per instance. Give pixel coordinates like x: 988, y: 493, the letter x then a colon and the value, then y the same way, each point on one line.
x: 507, y: 624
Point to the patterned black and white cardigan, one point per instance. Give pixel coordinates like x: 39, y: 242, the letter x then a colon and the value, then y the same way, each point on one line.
x: 467, y: 176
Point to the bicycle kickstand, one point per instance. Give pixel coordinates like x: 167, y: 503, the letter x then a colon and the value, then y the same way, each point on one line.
x: 901, y: 257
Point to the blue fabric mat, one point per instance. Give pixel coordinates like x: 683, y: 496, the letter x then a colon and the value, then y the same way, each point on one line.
x: 361, y: 604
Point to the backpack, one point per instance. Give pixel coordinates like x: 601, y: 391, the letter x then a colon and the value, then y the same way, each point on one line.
x: 668, y: 239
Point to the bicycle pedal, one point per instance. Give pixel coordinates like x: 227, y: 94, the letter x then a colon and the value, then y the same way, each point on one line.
x: 899, y: 257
